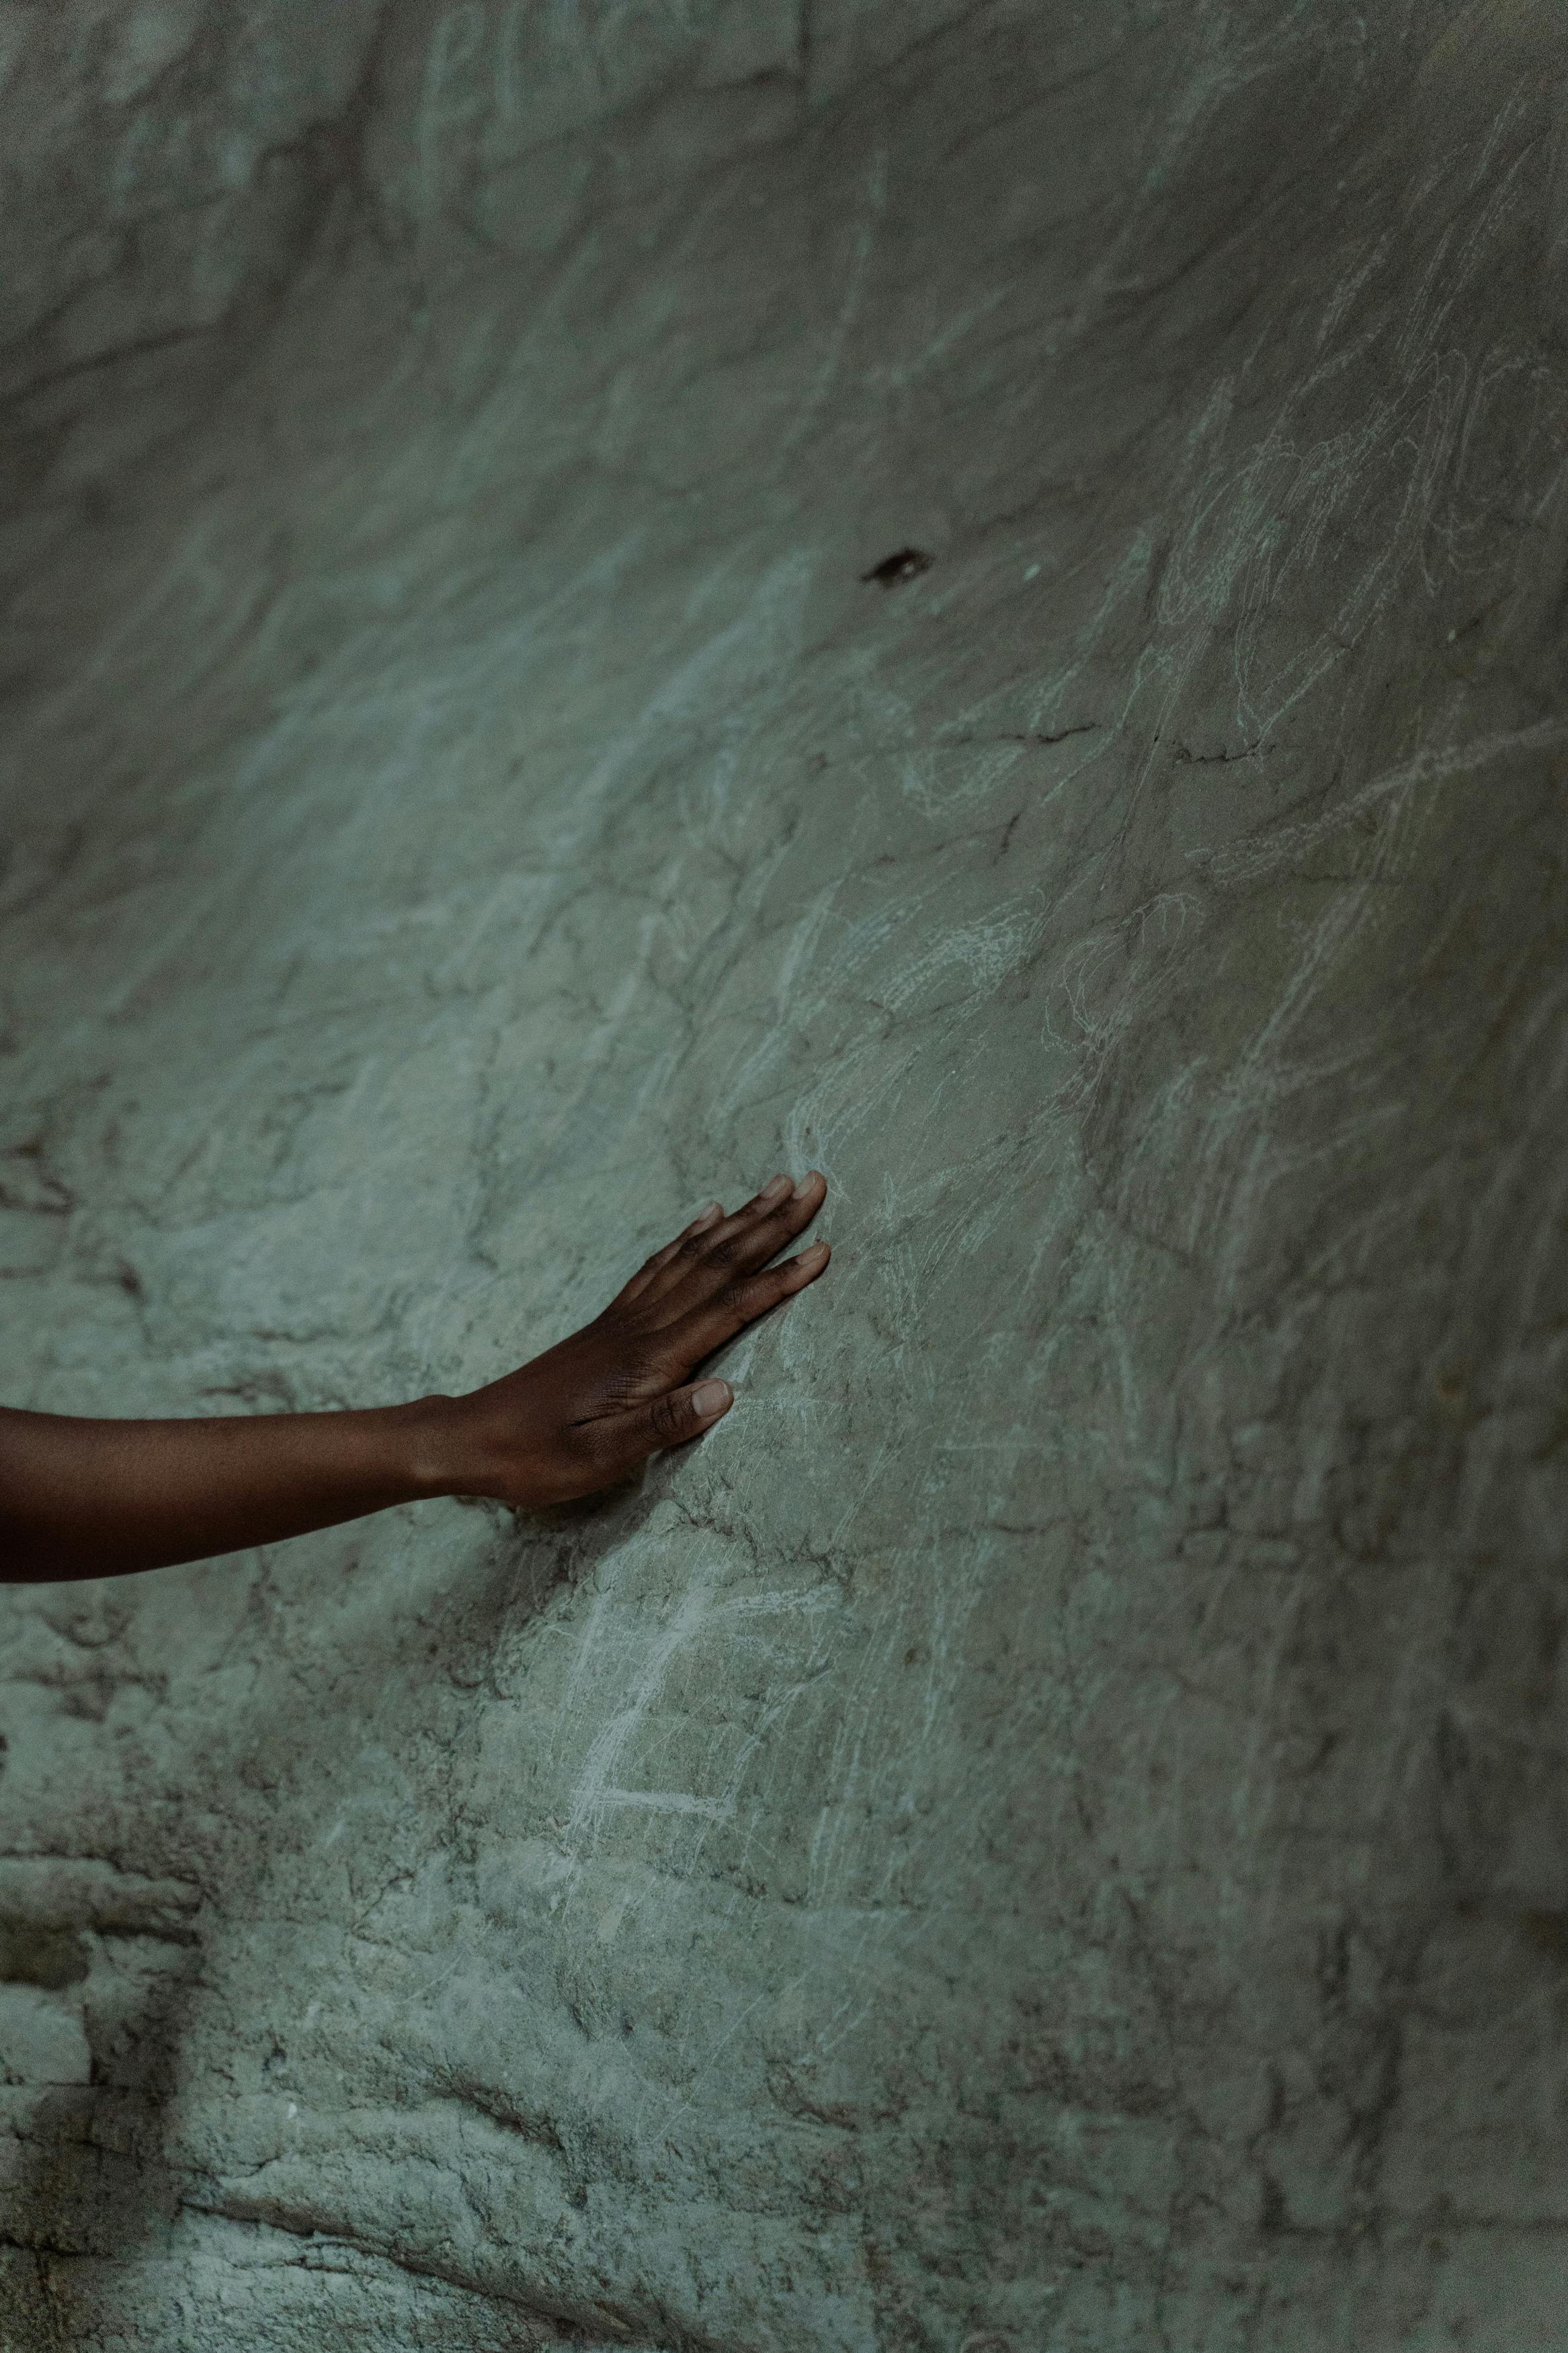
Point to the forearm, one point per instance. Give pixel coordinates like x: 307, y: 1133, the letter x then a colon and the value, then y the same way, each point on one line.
x: 88, y: 1498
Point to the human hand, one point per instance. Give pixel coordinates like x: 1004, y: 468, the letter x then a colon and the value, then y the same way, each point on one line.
x: 82, y: 1497
x: 584, y: 1414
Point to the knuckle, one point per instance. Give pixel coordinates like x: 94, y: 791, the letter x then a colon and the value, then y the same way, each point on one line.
x: 586, y: 1442
x: 646, y: 1362
x: 667, y: 1417
x: 628, y: 1385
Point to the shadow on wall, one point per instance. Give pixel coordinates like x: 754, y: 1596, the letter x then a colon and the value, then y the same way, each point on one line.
x: 100, y: 1966
x: 96, y: 1965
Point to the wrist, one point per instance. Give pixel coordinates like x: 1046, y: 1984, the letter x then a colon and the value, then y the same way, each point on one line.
x: 440, y: 1452
x: 463, y: 1446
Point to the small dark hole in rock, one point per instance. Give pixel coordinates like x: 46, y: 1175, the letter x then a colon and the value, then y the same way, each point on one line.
x: 902, y: 564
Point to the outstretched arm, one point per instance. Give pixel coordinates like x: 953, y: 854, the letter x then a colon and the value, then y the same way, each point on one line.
x: 89, y: 1498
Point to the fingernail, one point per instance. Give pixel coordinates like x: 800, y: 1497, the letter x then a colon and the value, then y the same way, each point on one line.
x: 774, y: 1189
x: 813, y: 1256
x: 805, y: 1184
x: 710, y: 1397
x: 706, y: 1217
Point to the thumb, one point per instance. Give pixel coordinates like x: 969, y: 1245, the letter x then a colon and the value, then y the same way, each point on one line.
x: 619, y: 1441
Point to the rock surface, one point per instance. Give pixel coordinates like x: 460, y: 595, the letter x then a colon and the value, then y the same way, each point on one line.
x: 1047, y: 1830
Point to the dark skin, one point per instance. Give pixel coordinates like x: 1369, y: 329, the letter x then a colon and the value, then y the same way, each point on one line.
x: 98, y: 1498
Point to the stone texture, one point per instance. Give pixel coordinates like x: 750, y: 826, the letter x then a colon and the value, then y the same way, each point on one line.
x: 1048, y: 1832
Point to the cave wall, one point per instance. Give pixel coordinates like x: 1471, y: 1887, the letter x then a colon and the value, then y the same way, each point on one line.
x: 1047, y: 1830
